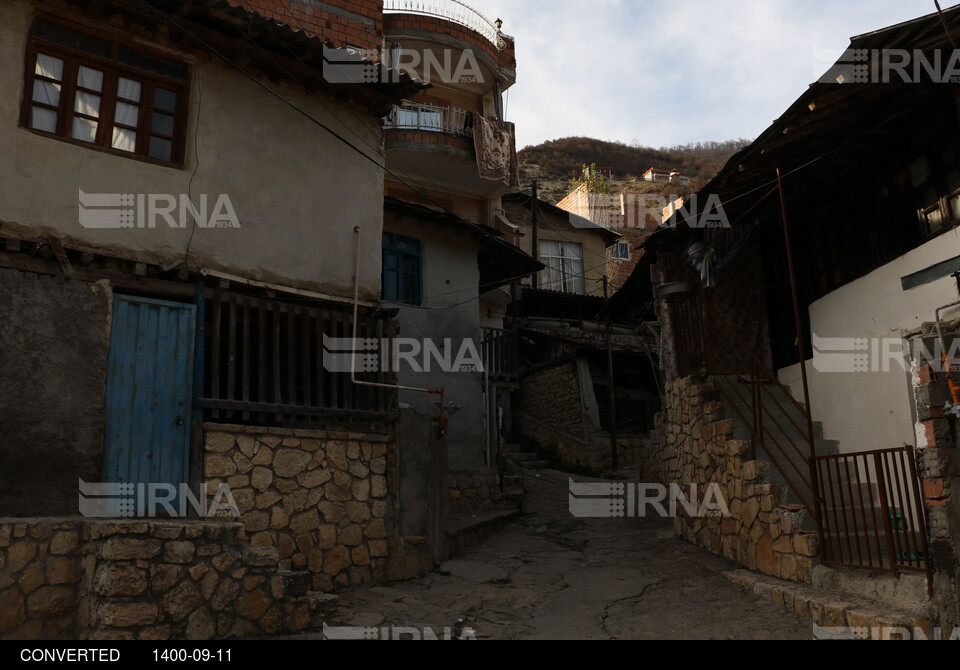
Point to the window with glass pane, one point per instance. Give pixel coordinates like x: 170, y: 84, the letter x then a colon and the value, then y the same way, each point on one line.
x: 402, y: 270
x: 92, y: 90
x: 564, y: 272
x: 620, y: 251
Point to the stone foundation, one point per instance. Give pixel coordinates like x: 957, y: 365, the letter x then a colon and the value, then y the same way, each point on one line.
x: 477, y: 491
x: 694, y: 445
x: 148, y: 580
x: 593, y: 454
x: 318, y: 497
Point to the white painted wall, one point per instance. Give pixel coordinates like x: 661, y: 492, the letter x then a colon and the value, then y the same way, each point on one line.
x: 297, y: 191
x: 874, y: 409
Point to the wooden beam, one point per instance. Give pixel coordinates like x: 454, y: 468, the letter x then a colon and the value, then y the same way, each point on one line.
x: 57, y: 246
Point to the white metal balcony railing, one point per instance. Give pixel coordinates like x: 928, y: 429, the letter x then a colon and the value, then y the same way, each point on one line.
x: 430, y: 118
x: 452, y: 10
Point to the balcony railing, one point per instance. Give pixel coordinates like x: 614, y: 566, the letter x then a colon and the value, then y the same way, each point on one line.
x: 430, y: 119
x: 451, y: 10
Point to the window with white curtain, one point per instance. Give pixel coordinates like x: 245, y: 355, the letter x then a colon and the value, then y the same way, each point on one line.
x: 564, y: 271
x: 620, y: 251
x: 95, y: 91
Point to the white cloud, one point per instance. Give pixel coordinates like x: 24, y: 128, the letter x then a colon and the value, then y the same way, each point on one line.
x: 673, y: 72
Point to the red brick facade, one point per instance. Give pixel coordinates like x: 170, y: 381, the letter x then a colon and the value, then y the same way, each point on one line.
x: 427, y: 137
x: 397, y: 24
x: 360, y: 25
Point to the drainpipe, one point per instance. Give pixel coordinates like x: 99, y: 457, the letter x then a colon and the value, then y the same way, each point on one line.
x: 353, y: 359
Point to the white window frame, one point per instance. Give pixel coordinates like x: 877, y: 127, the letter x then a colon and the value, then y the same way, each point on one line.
x: 618, y: 249
x: 565, y: 269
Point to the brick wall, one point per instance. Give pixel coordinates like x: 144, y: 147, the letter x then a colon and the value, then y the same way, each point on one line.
x: 344, y: 22
x: 399, y: 24
x: 938, y: 471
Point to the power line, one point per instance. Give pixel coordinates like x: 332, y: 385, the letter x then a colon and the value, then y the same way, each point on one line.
x: 310, y: 117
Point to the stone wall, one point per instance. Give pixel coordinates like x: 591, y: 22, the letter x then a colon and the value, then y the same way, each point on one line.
x: 477, y: 491
x: 40, y: 575
x: 149, y: 580
x: 551, y: 394
x: 319, y: 498
x: 694, y: 444
x: 593, y: 454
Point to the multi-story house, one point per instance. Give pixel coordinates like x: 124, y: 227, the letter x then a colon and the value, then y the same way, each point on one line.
x: 192, y: 209
x: 628, y: 214
x: 448, y: 249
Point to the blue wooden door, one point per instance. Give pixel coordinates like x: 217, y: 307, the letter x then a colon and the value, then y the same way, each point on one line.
x: 149, y: 395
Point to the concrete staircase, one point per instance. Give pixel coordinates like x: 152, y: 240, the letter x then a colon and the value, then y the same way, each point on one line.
x: 785, y: 437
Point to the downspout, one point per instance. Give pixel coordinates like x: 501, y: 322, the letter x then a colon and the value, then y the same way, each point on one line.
x: 353, y: 359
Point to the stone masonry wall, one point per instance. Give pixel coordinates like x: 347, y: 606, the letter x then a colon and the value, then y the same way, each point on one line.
x: 693, y: 444
x: 593, y: 454
x: 319, y: 498
x: 156, y: 580
x: 39, y: 578
x: 477, y: 491
x: 551, y: 395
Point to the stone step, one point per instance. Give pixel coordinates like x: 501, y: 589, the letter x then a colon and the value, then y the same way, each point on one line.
x: 837, y: 615
x: 512, y: 481
x: 464, y: 533
x: 521, y: 457
x: 510, y: 448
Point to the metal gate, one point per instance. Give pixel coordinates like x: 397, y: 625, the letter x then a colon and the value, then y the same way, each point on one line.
x: 872, y: 511
x: 149, y: 393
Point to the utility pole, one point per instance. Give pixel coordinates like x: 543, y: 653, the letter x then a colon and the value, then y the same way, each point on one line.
x: 536, y: 234
x: 613, y: 397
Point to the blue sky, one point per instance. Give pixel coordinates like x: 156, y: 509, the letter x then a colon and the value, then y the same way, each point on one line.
x: 666, y: 72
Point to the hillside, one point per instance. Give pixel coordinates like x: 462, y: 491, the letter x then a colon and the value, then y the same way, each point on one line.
x: 556, y: 163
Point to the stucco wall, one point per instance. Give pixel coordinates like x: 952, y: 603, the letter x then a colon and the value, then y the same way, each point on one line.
x: 54, y: 337
x: 874, y: 409
x: 297, y: 191
x: 558, y: 229
x: 451, y: 278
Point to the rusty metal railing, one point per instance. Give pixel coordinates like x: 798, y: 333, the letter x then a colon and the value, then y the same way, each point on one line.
x: 424, y: 117
x: 873, y: 513
x: 763, y: 404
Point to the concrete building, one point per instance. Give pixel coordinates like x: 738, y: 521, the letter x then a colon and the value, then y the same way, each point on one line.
x: 450, y: 156
x: 186, y: 191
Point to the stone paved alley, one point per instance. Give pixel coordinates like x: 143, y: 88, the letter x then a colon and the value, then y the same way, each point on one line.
x: 551, y: 576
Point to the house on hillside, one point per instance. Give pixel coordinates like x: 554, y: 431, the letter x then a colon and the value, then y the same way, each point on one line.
x: 822, y: 337
x: 666, y: 176
x: 628, y: 214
